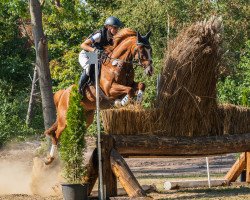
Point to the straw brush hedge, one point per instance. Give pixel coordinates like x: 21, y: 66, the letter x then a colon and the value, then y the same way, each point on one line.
x: 72, y: 142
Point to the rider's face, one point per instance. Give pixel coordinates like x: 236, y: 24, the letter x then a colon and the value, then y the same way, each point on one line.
x: 113, y: 30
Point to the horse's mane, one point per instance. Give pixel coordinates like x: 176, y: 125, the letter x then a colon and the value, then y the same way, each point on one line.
x: 121, y: 35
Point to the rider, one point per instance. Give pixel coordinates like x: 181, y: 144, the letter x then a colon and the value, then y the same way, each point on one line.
x: 96, y: 43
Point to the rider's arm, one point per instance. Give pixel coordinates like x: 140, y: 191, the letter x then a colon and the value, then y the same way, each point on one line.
x: 86, y: 45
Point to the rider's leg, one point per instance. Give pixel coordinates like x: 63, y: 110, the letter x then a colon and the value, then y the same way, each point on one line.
x: 92, y: 73
x: 83, y: 80
x: 83, y: 59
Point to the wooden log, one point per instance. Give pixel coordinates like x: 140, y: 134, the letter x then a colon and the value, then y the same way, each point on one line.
x: 171, y: 185
x: 125, y: 176
x: 109, y: 179
x: 247, y: 167
x: 155, y: 145
x: 236, y: 169
x: 92, y: 171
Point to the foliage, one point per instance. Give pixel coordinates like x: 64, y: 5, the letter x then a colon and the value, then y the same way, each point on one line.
x: 15, y: 58
x: 236, y: 88
x: 12, y: 114
x: 72, y: 142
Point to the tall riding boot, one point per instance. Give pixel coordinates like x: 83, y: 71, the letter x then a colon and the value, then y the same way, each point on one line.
x: 83, y: 80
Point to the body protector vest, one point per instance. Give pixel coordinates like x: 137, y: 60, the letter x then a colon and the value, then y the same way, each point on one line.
x: 106, y: 39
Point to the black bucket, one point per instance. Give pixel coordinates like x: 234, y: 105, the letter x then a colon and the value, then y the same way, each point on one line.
x: 75, y: 191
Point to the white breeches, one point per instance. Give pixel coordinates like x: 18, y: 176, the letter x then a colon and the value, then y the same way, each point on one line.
x: 83, y: 59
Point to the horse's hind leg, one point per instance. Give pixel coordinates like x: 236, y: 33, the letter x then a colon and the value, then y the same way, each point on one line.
x: 51, y: 132
x: 61, y: 125
x: 139, y: 88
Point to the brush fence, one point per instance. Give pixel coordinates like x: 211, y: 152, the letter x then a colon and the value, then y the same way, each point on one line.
x: 133, y: 121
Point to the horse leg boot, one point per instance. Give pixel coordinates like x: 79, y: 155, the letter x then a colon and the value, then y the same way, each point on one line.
x: 130, y: 93
x: 120, y: 90
x: 51, y: 132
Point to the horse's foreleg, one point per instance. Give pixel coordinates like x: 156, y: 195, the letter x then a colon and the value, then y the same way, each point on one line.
x: 140, y: 88
x: 119, y: 90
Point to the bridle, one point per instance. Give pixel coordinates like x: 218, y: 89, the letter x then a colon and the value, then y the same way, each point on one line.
x: 136, y: 62
x: 147, y: 46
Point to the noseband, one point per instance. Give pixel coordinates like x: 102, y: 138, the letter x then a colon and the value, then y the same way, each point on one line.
x: 138, y: 61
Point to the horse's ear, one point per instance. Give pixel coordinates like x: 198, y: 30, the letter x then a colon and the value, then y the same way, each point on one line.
x: 148, y: 34
x: 139, y: 37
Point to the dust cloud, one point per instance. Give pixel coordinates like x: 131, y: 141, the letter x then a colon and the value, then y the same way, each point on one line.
x: 18, y: 175
x: 14, y: 178
x: 45, y: 179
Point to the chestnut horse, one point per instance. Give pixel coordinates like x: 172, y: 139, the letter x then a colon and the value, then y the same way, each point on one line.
x: 117, y: 85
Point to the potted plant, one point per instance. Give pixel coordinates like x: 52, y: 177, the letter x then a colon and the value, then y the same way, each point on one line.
x: 72, y: 146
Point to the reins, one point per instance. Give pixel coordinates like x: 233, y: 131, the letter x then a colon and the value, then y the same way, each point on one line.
x: 136, y: 62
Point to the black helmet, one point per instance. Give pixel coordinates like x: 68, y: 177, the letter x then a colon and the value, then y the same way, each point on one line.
x: 113, y: 21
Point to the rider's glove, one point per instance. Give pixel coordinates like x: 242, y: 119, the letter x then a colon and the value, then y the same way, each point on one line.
x: 98, y: 51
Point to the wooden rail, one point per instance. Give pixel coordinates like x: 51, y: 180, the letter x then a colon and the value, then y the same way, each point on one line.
x: 155, y: 145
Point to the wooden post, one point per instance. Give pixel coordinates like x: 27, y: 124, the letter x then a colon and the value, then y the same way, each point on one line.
x: 109, y: 179
x: 236, y: 169
x: 92, y: 171
x: 125, y: 176
x: 247, y: 167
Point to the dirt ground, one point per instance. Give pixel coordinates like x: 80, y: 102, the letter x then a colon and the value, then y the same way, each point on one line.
x: 24, y: 176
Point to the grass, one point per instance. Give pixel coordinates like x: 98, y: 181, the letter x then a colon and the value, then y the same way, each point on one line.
x: 215, y: 193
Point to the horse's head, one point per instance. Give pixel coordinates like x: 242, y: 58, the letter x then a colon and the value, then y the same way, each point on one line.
x: 143, y: 53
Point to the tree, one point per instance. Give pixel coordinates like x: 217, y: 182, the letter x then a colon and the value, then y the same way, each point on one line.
x: 42, y: 64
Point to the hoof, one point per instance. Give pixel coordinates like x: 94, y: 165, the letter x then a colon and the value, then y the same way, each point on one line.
x: 49, y: 160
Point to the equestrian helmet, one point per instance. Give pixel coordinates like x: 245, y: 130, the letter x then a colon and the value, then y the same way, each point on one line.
x: 113, y: 21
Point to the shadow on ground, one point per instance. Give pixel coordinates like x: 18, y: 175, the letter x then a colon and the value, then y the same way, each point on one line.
x: 214, y: 193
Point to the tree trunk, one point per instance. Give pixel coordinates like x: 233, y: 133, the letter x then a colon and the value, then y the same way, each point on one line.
x: 155, y: 145
x: 32, y: 98
x: 49, y: 112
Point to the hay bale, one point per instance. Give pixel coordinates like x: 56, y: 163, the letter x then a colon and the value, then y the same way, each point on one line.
x: 236, y: 118
x: 188, y: 81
